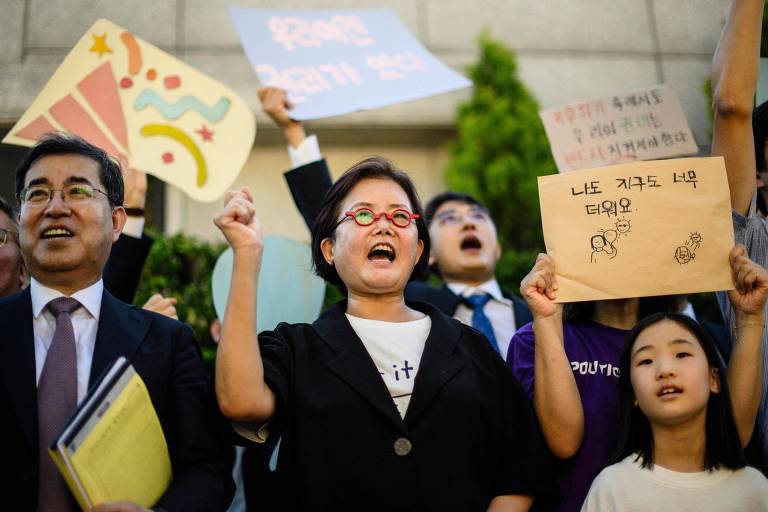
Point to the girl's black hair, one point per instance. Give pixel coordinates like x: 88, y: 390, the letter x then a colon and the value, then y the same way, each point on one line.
x: 327, y: 220
x: 723, y: 443
x: 582, y: 312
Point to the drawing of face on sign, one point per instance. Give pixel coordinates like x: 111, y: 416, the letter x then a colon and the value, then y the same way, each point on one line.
x: 598, y: 242
x: 684, y: 255
x: 694, y: 240
x: 623, y: 226
x: 604, y: 242
x: 135, y: 101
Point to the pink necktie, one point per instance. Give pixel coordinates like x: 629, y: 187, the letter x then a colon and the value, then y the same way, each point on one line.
x: 56, y: 401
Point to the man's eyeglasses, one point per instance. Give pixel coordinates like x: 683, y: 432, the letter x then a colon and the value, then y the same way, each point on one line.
x: 39, y: 195
x: 453, y: 218
x: 400, y: 217
x: 6, y: 235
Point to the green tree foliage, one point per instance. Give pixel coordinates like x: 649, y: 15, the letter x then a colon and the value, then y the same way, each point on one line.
x: 501, y: 149
x: 180, y: 266
x: 764, y: 35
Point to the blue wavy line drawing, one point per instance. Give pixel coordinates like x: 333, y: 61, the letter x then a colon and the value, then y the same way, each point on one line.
x: 186, y: 103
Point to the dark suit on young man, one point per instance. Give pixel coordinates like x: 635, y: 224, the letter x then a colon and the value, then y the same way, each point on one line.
x: 446, y: 301
x: 164, y: 353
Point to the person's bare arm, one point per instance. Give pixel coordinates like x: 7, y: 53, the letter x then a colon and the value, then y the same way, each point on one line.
x: 745, y: 367
x: 556, y: 397
x: 734, y: 78
x: 275, y: 103
x: 241, y: 390
x: 513, y: 503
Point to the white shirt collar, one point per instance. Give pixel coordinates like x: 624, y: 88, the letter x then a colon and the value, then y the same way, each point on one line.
x: 490, y: 287
x: 89, y: 297
x: 688, y: 311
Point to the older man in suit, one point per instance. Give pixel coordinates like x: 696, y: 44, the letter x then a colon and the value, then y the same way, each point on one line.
x: 59, y: 334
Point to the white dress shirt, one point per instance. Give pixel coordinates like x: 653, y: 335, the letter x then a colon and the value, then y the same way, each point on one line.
x: 306, y: 152
x: 688, y: 311
x: 85, y: 322
x: 499, y: 311
x: 134, y: 226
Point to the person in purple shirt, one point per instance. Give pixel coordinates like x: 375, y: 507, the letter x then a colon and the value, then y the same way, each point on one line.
x: 567, y: 362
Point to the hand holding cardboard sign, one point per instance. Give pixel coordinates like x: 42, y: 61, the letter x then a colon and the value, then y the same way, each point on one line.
x: 539, y: 287
x: 751, y: 282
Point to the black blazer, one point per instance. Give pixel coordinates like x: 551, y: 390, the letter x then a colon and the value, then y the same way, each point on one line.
x: 165, y: 354
x: 469, y: 433
x: 122, y: 272
x: 308, y: 185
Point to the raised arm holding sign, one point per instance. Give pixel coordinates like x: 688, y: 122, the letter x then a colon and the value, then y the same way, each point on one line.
x: 734, y: 77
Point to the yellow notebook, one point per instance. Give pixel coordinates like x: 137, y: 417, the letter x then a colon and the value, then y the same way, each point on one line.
x: 113, y: 447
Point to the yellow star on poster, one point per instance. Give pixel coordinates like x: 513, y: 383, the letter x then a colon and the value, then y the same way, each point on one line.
x: 100, y: 45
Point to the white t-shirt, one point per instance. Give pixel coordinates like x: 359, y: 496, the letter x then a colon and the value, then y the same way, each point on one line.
x: 627, y: 487
x: 396, y: 349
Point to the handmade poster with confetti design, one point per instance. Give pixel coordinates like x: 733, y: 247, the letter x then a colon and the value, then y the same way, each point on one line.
x: 138, y: 102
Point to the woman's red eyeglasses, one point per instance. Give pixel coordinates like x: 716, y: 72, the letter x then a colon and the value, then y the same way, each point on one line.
x: 400, y: 217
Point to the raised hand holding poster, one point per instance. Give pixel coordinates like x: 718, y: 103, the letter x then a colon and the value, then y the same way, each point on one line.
x: 334, y: 62
x: 644, y: 228
x: 641, y: 125
x: 135, y: 101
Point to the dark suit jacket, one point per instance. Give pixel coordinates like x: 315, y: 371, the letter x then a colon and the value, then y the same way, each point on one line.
x: 165, y: 354
x: 309, y: 183
x: 469, y: 433
x: 446, y: 301
x: 122, y: 272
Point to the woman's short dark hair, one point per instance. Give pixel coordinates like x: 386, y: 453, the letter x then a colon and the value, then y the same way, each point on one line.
x: 374, y: 167
x: 56, y: 143
x: 581, y: 312
x: 723, y: 443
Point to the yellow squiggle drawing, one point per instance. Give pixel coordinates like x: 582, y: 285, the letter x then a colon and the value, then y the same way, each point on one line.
x: 166, y: 130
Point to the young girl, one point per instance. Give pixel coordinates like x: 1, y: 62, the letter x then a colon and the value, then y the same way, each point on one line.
x: 679, y: 444
x: 567, y: 362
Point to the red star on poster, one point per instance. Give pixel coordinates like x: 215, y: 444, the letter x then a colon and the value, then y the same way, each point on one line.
x: 205, y: 133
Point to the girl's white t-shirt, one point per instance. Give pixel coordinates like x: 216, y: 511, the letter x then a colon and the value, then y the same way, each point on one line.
x: 628, y: 487
x: 396, y: 349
